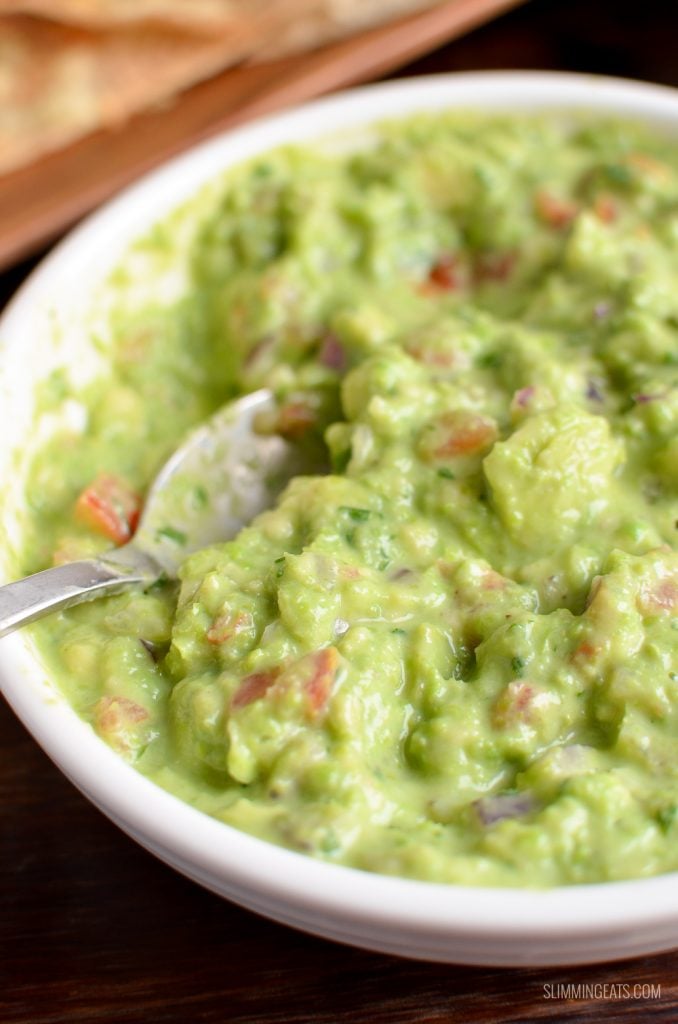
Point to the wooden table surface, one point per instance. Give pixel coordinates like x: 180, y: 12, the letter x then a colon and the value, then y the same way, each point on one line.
x: 94, y: 929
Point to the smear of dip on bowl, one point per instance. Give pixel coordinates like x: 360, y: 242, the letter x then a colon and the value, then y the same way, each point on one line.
x: 456, y: 656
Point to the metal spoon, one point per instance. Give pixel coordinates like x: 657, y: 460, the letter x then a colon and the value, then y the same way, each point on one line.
x: 235, y: 471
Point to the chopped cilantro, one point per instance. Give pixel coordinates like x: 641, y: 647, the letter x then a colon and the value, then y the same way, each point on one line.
x: 618, y: 174
x: 666, y: 816
x: 340, y: 460
x: 200, y: 496
x: 358, y: 515
x: 171, y: 533
x: 490, y: 361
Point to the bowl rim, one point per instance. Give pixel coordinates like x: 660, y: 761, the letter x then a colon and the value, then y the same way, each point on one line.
x: 234, y: 860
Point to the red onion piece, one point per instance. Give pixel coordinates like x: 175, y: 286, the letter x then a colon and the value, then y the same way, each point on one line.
x: 524, y: 396
x: 491, y: 809
x: 602, y: 310
x: 594, y: 391
x: 332, y: 353
x: 642, y: 397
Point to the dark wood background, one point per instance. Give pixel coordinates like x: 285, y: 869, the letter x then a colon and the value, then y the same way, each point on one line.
x: 93, y: 929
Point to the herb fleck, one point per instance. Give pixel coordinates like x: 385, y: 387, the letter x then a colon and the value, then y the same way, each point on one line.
x: 617, y: 174
x: 666, y: 817
x: 171, y: 533
x: 358, y: 515
x: 491, y: 360
x: 200, y: 496
x: 340, y: 460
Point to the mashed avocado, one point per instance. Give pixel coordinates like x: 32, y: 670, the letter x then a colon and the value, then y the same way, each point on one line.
x: 454, y: 657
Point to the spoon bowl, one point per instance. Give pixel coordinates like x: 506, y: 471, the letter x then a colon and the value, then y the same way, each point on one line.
x: 217, y: 481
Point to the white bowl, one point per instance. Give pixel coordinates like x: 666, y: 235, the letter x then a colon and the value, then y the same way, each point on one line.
x: 569, y: 925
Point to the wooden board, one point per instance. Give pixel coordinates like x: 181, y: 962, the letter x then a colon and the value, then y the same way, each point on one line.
x: 38, y: 202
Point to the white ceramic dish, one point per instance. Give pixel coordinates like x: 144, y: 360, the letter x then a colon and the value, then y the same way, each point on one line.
x: 416, y: 919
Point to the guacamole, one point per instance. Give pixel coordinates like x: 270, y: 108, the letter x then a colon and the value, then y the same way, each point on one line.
x: 454, y: 656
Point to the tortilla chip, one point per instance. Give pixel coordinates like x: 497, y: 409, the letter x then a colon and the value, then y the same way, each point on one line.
x: 198, y: 15
x: 58, y: 82
x: 325, y: 21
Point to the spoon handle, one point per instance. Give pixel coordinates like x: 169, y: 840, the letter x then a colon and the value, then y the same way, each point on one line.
x: 31, y: 598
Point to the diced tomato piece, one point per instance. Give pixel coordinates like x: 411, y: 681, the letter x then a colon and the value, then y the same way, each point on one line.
x: 446, y: 274
x: 294, y: 420
x: 557, y: 213
x: 606, y: 209
x: 660, y: 598
x: 493, y: 266
x: 117, y: 719
x: 514, y: 704
x: 253, y: 687
x: 323, y: 664
x: 228, y: 625
x: 115, y: 710
x: 312, y: 675
x: 437, y: 358
x: 649, y: 166
x: 467, y: 434
x: 110, y: 506
x: 493, y: 581
x: 586, y: 651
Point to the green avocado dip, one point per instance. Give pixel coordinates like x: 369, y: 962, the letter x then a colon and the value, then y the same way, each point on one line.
x: 454, y: 657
